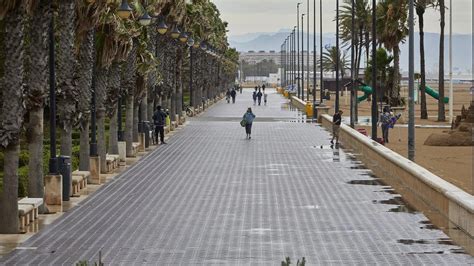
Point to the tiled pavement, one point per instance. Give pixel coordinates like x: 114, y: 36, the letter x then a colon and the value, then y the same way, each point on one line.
x: 213, y: 197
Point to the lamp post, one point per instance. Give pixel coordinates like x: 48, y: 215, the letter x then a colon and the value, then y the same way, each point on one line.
x: 53, y: 161
x: 314, y: 56
x: 302, y: 57
x: 336, y: 108
x: 298, y: 47
x: 411, y: 83
x: 321, y: 51
x: 353, y: 88
x: 451, y: 100
x: 374, y: 70
x: 307, y: 47
x: 191, y: 96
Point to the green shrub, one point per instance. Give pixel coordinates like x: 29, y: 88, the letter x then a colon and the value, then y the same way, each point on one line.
x: 23, y: 158
x: 23, y: 181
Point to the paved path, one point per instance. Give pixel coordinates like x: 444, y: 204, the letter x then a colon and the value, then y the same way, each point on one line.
x: 213, y: 197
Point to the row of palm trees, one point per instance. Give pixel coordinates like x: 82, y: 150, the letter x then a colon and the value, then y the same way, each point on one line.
x: 104, y: 56
x: 392, y: 30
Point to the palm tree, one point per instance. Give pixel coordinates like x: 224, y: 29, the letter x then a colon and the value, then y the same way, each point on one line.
x: 442, y: 22
x: 114, y: 91
x: 330, y: 59
x: 130, y: 84
x: 392, y: 29
x: 421, y: 6
x: 385, y: 73
x: 362, y: 19
x: 12, y: 110
x: 37, y: 79
x: 101, y: 93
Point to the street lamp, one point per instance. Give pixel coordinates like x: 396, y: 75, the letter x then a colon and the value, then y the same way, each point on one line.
x: 411, y: 84
x: 175, y: 33
x: 336, y: 108
x: 298, y: 46
x: 145, y: 19
x: 374, y: 70
x: 53, y: 161
x: 321, y: 50
x: 124, y: 11
x: 302, y: 57
x: 183, y: 37
x: 162, y: 28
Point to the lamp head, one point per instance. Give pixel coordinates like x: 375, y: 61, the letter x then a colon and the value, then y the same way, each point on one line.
x: 124, y: 11
x: 183, y: 37
x: 162, y: 27
x: 175, y: 32
x: 145, y: 19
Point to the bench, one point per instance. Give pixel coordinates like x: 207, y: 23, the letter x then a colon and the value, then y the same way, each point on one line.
x: 25, y: 214
x: 112, y: 161
x: 35, y: 202
x: 79, y: 181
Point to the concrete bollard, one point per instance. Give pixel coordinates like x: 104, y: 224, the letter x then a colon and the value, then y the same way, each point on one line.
x: 53, y: 189
x: 141, y: 140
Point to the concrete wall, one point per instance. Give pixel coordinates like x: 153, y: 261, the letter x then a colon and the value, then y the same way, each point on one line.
x: 446, y: 205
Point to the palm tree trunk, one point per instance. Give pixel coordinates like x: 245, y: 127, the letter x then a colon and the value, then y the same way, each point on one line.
x: 37, y: 90
x: 11, y: 116
x: 9, y: 195
x: 35, y: 151
x: 420, y: 10
x: 129, y: 124
x: 67, y: 93
x: 395, y: 91
x: 113, y: 137
x: 179, y: 82
x: 84, y: 146
x: 441, y: 111
x: 135, y: 120
x: 101, y: 146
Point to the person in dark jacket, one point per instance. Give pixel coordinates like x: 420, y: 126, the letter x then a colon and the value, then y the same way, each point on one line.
x: 336, y: 124
x: 254, y: 96
x: 233, y: 93
x: 248, y: 118
x: 159, y: 120
x: 259, y: 96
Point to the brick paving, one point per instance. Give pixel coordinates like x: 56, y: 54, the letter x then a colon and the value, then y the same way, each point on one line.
x: 213, y: 197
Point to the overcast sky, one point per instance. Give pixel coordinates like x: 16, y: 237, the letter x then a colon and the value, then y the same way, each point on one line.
x: 246, y: 16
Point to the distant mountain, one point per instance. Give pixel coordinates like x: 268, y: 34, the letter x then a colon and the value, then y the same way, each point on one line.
x: 462, y: 44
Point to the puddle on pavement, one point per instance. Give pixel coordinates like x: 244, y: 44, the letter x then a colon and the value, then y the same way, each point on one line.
x: 428, y: 225
x: 440, y: 241
x: 402, y: 206
x: 367, y: 182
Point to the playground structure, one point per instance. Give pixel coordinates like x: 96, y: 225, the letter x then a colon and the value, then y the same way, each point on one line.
x: 368, y: 91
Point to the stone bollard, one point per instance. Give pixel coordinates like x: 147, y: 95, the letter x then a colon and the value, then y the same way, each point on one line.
x: 53, y: 189
x: 141, y: 140
x: 94, y: 168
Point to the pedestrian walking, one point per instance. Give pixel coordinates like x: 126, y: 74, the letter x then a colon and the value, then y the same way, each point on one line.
x: 240, y: 88
x: 259, y: 97
x: 254, y: 96
x: 247, y: 121
x: 336, y: 124
x: 233, y: 93
x: 386, y: 121
x: 227, y: 96
x: 263, y: 88
x: 159, y: 120
x: 265, y: 95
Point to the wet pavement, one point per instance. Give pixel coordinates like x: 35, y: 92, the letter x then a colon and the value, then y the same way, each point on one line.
x: 213, y: 197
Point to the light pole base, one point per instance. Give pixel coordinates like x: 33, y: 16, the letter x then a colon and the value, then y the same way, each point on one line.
x: 94, y: 168
x: 122, y: 149
x: 53, y: 189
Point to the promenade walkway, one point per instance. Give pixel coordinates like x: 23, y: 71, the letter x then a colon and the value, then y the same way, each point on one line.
x: 212, y: 197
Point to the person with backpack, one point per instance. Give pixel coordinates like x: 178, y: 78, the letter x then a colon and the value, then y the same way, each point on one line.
x: 247, y: 121
x: 233, y: 93
x: 159, y: 120
x: 259, y: 96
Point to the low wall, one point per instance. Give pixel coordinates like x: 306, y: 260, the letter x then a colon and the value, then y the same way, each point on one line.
x: 446, y: 205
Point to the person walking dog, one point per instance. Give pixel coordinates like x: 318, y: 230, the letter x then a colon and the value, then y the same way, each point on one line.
x: 247, y: 121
